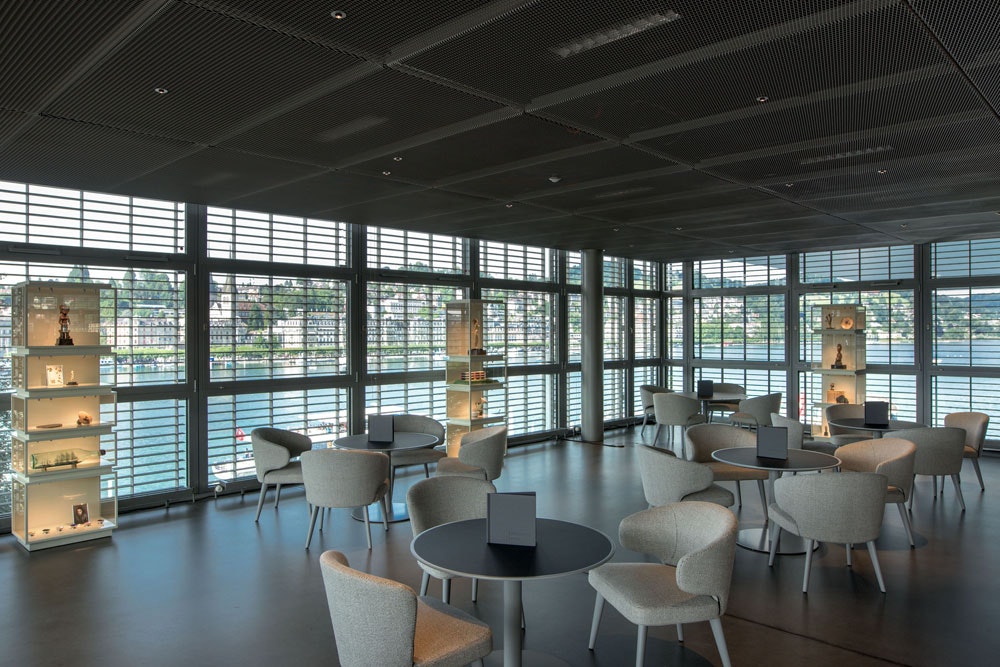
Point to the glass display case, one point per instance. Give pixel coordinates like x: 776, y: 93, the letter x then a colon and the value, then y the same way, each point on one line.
x: 836, y: 352
x: 63, y: 413
x: 475, y: 368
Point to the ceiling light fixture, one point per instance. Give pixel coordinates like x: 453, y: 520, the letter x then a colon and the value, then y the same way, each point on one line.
x: 339, y: 14
x: 160, y: 91
x: 555, y: 178
x: 398, y: 158
x: 763, y: 98
x: 386, y: 172
x: 903, y: 225
x: 614, y: 33
x: 883, y: 171
x: 678, y: 228
x: 789, y: 185
x: 615, y: 229
x: 509, y: 205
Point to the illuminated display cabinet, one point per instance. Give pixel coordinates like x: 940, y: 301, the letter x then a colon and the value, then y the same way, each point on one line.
x: 64, y: 488
x: 475, y: 368
x: 837, y: 355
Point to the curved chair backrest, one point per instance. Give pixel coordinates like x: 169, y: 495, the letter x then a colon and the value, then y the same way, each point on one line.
x: 273, y: 448
x: 703, y: 439
x: 796, y: 429
x: 843, y: 411
x: 975, y: 425
x: 646, y: 392
x: 418, y: 424
x: 438, y: 500
x: 353, y: 597
x: 761, y: 407
x: 344, y: 477
x: 728, y: 388
x: 847, y: 507
x: 667, y: 479
x: 698, y: 538
x: 485, y: 449
x: 939, y: 449
x: 892, y: 457
x: 675, y: 410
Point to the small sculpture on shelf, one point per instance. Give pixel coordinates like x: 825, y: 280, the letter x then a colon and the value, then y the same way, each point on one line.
x: 842, y: 399
x: 838, y: 363
x: 72, y: 379
x: 829, y: 320
x: 64, y: 337
x: 83, y: 418
x: 477, y: 339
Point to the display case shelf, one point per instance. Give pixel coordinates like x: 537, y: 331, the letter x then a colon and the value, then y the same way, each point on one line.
x: 836, y: 350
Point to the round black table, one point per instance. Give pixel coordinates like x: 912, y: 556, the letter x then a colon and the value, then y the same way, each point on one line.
x: 717, y: 397
x: 799, y: 460
x: 858, y: 424
x: 562, y: 548
x: 401, y: 441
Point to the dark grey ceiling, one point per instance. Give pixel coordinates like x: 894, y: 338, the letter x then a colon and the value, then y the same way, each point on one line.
x: 654, y: 130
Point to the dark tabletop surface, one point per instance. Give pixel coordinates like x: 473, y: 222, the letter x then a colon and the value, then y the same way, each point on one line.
x: 798, y: 459
x: 562, y: 548
x: 400, y: 440
x: 858, y: 423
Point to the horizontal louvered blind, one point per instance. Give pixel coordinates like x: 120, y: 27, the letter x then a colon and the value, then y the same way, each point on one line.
x: 966, y: 327
x: 642, y: 375
x: 79, y: 219
x: 615, y: 327
x: 615, y: 271
x: 532, y: 325
x: 647, y: 329
x: 965, y: 259
x: 745, y: 328
x: 645, y: 275
x: 889, y: 328
x: 275, y: 326
x: 531, y: 403
x: 415, y: 251
x: 839, y: 266
x: 151, y: 454
x: 427, y: 398
x: 266, y: 237
x: 674, y: 323
x: 574, y: 328
x: 742, y: 272
x: 574, y: 267
x: 615, y: 393
x: 673, y: 277
x: 966, y: 394
x: 756, y: 381
x: 406, y: 326
x: 516, y: 262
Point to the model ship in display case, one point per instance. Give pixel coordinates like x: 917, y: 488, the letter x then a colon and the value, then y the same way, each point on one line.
x: 64, y: 488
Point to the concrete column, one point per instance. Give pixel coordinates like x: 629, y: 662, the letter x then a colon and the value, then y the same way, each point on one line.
x: 592, y: 363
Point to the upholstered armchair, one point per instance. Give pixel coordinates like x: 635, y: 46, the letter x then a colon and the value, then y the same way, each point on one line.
x: 480, y: 455
x: 667, y: 479
x: 273, y: 452
x: 345, y: 478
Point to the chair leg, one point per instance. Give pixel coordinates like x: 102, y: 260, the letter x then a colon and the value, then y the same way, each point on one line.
x: 479, y: 663
x: 809, y: 559
x: 656, y: 434
x: 957, y: 481
x: 392, y: 476
x: 475, y: 589
x: 385, y: 514
x: 277, y: 494
x: 640, y: 646
x: 906, y: 523
x: 775, y: 534
x: 848, y: 548
x: 312, y: 524
x: 598, y: 608
x: 739, y: 495
x: 645, y: 418
x: 427, y: 471
x: 446, y: 591
x: 878, y: 570
x: 368, y: 528
x: 260, y: 502
x: 680, y: 633
x: 425, y: 581
x: 913, y: 491
x: 934, y: 478
x: 720, y: 641
x: 979, y: 473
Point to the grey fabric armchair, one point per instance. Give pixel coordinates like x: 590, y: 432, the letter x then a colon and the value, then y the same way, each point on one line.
x: 975, y: 425
x: 845, y: 507
x: 409, y: 630
x: 646, y: 393
x: 939, y: 452
x: 839, y: 435
x: 667, y: 479
x: 431, y: 502
x: 673, y: 410
x: 273, y: 451
x: 704, y: 439
x: 412, y: 457
x: 722, y: 407
x: 480, y: 455
x: 695, y: 543
x: 345, y: 478
x: 892, y: 457
x: 756, y: 411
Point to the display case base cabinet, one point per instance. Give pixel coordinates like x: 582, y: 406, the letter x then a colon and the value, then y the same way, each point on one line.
x: 44, y: 507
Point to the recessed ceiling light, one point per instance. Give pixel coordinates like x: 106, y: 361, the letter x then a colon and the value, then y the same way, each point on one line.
x: 678, y: 228
x: 903, y: 225
x: 615, y: 229
x: 731, y: 252
x: 509, y: 205
x: 398, y: 158
x: 160, y: 91
x: 883, y: 171
x: 763, y: 98
x: 789, y: 185
x: 338, y: 14
x: 614, y: 33
x: 555, y: 178
x: 386, y: 172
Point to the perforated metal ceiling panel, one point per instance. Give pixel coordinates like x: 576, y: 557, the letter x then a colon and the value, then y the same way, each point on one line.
x: 752, y: 126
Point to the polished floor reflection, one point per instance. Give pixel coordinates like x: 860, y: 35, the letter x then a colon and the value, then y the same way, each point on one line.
x: 201, y: 584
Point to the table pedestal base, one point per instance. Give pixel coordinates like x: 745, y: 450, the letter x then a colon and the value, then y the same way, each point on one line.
x: 758, y: 539
x: 528, y: 658
x: 397, y: 513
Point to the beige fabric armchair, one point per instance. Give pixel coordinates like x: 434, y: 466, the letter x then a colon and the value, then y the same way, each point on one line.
x: 480, y: 455
x: 431, y: 502
x: 382, y: 622
x: 756, y: 411
x: 892, y: 457
x: 667, y: 479
x: 843, y: 436
x: 646, y: 392
x: 411, y: 457
x: 703, y: 439
x: 845, y: 508
x: 695, y: 543
x: 975, y: 425
x: 345, y: 478
x: 273, y: 451
x: 722, y: 407
x: 939, y: 452
x: 673, y: 410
